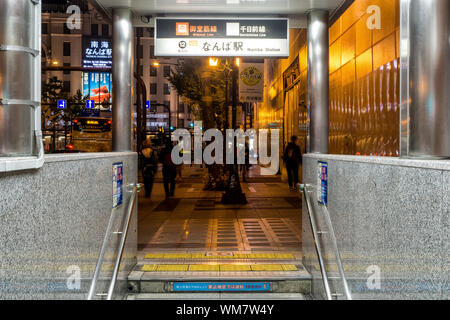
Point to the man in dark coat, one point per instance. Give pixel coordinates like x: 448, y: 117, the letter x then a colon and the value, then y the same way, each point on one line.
x: 292, y: 158
x: 169, y: 169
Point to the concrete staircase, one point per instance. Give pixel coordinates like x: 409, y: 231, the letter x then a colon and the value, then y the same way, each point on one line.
x: 234, y: 276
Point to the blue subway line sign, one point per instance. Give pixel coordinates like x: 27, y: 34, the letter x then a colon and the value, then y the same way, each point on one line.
x: 221, y: 286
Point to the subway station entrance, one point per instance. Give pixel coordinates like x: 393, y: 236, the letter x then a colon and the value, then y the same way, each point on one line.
x: 361, y: 84
x: 193, y: 241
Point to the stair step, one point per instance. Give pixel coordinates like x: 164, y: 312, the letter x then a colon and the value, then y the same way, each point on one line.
x: 218, y: 296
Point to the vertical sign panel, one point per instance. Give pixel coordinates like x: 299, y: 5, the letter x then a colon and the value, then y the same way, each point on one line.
x: 322, y: 183
x: 251, y: 82
x: 117, y: 184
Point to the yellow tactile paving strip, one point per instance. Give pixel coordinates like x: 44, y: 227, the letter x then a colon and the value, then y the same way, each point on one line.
x: 203, y: 267
x: 235, y: 267
x: 273, y: 256
x: 172, y: 267
x: 222, y: 267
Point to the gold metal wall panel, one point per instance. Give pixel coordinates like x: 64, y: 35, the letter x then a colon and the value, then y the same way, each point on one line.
x: 364, y: 84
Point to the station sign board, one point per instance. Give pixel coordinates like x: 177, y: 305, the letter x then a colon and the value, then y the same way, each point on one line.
x: 222, y: 37
x: 97, y: 53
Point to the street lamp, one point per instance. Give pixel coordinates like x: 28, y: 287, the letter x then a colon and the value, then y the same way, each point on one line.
x: 213, y: 62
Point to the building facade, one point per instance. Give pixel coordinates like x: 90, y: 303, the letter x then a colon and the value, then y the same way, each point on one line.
x: 63, y: 46
x: 364, y: 76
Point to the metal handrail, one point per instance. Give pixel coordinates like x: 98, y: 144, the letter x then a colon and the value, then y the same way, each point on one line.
x: 317, y: 245
x: 337, y: 254
x: 304, y: 189
x: 124, y: 235
x: 123, y: 239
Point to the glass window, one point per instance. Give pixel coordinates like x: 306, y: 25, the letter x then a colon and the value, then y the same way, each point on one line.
x: 105, y: 30
x: 166, y: 71
x: 45, y: 28
x: 153, y: 71
x: 153, y: 88
x: 166, y: 88
x: 66, y: 49
x: 65, y: 29
x: 94, y: 29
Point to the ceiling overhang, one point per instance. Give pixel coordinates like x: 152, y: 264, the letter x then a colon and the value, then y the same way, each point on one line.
x: 295, y: 10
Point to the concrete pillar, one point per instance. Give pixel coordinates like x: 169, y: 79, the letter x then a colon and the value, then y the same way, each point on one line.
x: 122, y: 72
x: 318, y: 85
x: 425, y: 79
x: 20, y: 78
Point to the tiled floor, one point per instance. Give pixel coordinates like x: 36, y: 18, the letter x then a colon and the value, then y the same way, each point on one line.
x: 196, y: 220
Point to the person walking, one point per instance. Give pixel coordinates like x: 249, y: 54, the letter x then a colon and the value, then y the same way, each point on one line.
x: 169, y: 169
x: 244, y: 167
x: 292, y: 158
x: 149, y: 166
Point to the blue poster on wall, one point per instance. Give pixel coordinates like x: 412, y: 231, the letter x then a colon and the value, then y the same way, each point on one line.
x: 97, y: 87
x: 117, y: 184
x: 322, y: 183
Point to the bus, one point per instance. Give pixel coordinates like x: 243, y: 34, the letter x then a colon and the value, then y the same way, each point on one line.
x: 92, y: 134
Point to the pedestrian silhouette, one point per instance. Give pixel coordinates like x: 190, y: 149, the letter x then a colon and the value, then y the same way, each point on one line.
x: 169, y: 169
x: 292, y: 158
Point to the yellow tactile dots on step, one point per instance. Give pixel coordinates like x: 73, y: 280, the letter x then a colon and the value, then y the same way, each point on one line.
x: 289, y: 267
x: 177, y: 256
x: 222, y: 268
x: 149, y: 267
x: 259, y: 256
x: 267, y: 267
x: 203, y: 267
x: 240, y: 256
x: 172, y: 267
x: 234, y: 267
x: 284, y: 256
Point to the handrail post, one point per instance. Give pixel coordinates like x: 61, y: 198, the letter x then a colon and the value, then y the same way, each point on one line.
x: 123, y: 239
x: 317, y: 245
x: 337, y: 254
x: 123, y: 233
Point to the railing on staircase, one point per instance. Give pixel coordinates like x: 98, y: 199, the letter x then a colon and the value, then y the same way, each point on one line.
x: 304, y: 189
x: 118, y: 260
